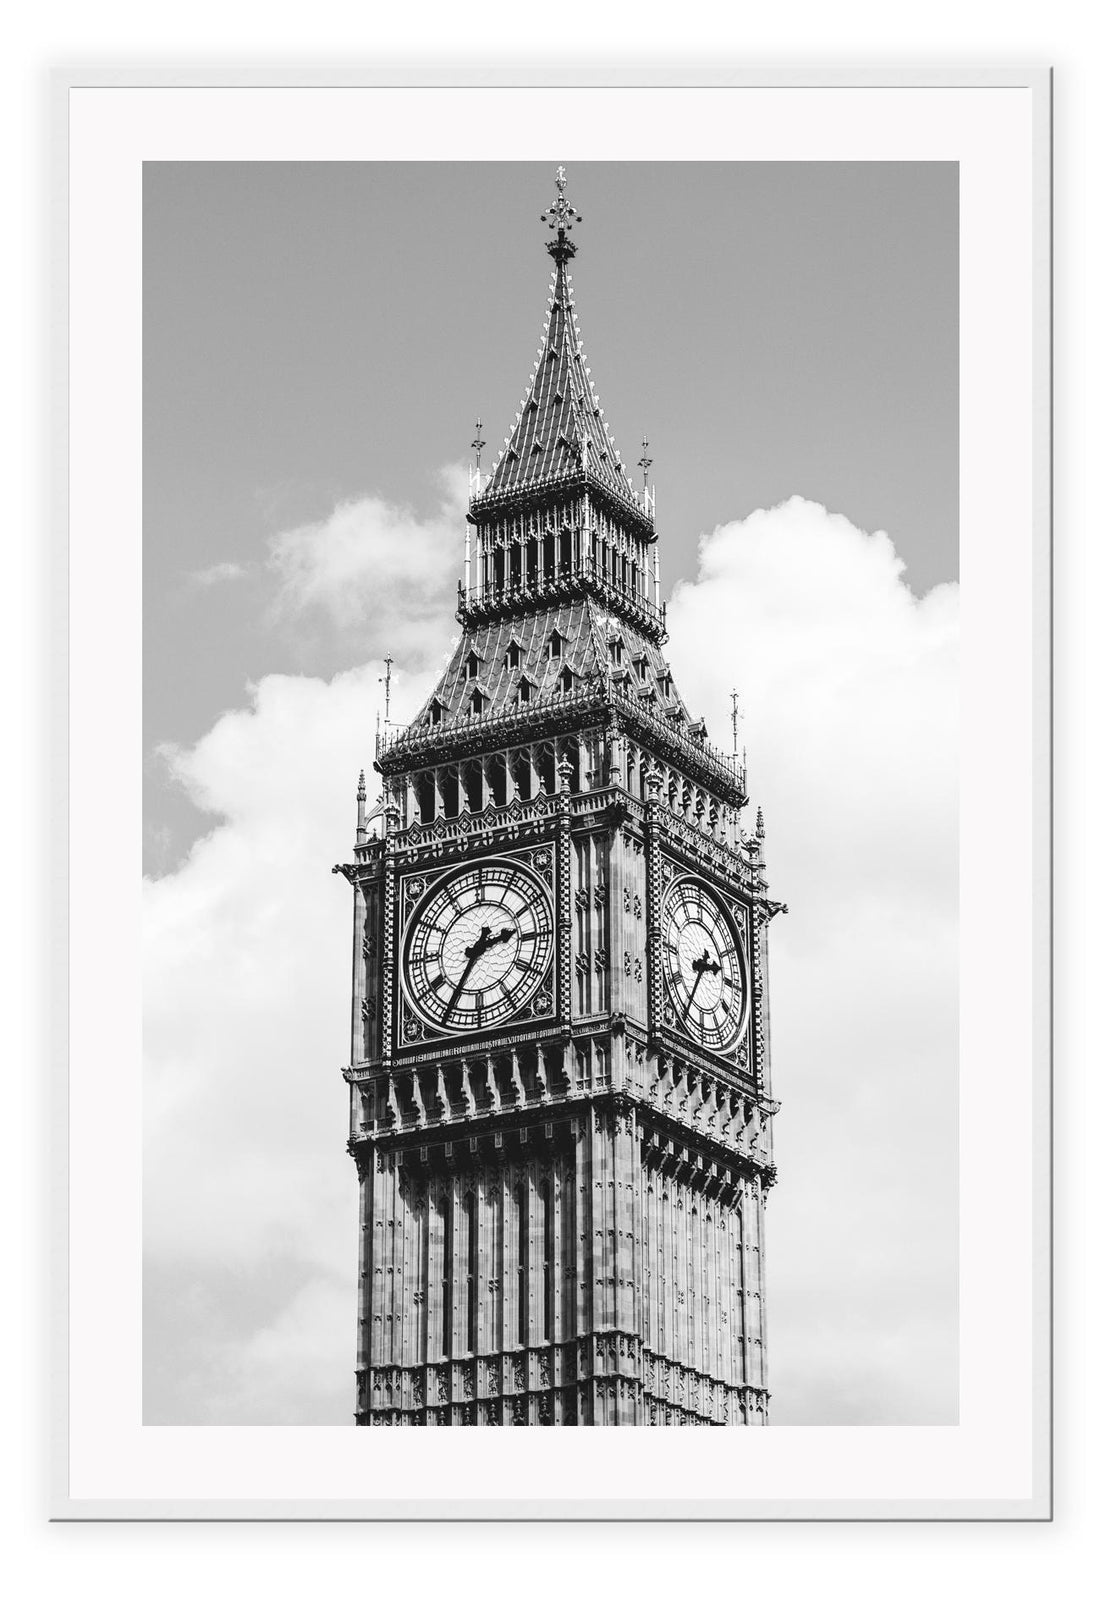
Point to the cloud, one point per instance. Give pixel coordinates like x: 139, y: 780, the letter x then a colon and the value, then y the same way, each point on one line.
x: 250, y: 1202
x: 848, y: 688
x: 848, y: 685
x: 221, y: 571
x: 377, y: 569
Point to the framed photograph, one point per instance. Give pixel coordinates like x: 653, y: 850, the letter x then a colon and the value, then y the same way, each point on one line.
x: 593, y: 801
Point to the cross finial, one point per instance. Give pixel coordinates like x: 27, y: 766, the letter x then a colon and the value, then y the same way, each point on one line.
x: 561, y: 216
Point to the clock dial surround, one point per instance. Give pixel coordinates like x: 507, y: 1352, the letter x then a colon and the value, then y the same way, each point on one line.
x: 704, y: 966
x: 478, y: 947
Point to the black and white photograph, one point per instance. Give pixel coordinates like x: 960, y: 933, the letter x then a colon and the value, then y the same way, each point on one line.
x: 693, y: 730
x: 574, y: 665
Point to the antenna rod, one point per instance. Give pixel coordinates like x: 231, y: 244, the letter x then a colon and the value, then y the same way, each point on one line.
x: 477, y: 445
x: 386, y: 680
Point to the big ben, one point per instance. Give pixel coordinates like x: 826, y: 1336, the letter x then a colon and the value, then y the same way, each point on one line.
x: 561, y: 1106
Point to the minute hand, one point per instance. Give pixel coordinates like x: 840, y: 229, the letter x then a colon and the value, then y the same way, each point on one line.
x: 701, y: 966
x: 473, y: 953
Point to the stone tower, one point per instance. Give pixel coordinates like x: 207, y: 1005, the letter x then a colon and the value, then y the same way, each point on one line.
x: 561, y: 1105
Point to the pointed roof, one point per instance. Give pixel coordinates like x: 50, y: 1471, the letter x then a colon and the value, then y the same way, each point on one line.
x: 585, y: 631
x: 560, y: 429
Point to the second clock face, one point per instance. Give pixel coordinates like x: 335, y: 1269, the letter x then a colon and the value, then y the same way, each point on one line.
x: 703, y: 966
x: 478, y: 947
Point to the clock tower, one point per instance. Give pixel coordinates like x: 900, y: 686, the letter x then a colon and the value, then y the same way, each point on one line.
x: 561, y: 1106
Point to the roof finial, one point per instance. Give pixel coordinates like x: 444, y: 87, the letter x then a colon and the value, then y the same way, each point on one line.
x: 477, y: 445
x: 760, y: 823
x: 388, y: 659
x: 645, y: 462
x: 561, y: 216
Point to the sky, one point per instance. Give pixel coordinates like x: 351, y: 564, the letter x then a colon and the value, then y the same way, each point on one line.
x: 317, y: 333
x: 318, y: 341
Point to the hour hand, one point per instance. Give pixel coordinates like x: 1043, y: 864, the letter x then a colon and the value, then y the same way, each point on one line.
x: 472, y: 955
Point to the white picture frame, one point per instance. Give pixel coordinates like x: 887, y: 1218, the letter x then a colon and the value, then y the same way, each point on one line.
x: 996, y: 1463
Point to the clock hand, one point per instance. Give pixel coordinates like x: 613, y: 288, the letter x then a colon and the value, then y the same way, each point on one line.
x: 701, y: 966
x: 473, y: 952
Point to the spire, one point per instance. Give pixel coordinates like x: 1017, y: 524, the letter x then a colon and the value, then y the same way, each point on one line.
x: 560, y: 429
x: 561, y: 218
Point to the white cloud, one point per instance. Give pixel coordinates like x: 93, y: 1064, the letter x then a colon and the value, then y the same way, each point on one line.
x: 848, y: 687
x: 220, y: 571
x: 249, y: 1198
x: 376, y: 567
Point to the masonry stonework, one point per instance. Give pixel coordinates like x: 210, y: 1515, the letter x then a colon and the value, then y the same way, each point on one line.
x: 561, y: 1107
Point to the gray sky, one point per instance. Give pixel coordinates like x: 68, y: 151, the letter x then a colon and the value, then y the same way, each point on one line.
x: 316, y: 332
x: 318, y: 343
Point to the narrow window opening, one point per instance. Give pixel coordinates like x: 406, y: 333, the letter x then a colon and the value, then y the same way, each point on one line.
x: 547, y: 1206
x: 447, y: 1345
x: 523, y: 775
x: 497, y: 780
x: 523, y: 1273
x: 471, y: 1273
x: 475, y: 787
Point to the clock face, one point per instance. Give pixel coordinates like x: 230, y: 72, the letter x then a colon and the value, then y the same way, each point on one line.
x: 479, y: 946
x: 703, y: 967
